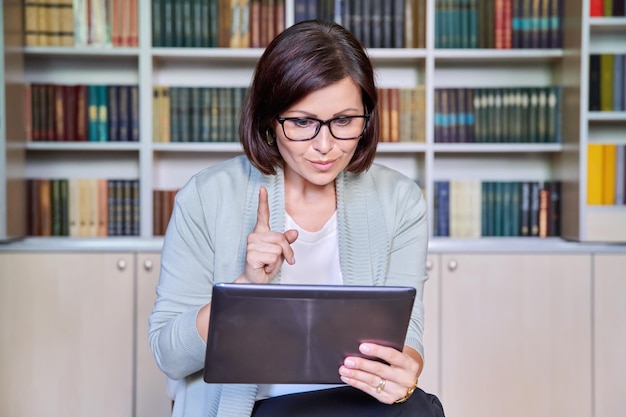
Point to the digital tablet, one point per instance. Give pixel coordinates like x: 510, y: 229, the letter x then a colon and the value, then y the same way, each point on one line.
x: 299, y: 334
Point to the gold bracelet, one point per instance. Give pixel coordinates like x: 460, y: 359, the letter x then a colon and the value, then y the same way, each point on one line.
x: 408, y: 393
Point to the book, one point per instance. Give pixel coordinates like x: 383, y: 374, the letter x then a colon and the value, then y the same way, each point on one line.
x: 443, y: 214
x: 609, y: 159
x: 618, y: 82
x: 606, y: 82
x: 595, y: 173
x: 45, y: 207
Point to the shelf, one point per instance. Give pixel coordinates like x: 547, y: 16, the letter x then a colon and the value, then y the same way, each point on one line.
x: 396, y: 55
x: 524, y: 56
x: 403, y: 147
x: 82, y: 146
x: 606, y: 116
x: 435, y: 245
x: 239, y: 55
x: 607, y: 24
x: 80, y: 51
x: 497, y: 147
x: 218, y: 147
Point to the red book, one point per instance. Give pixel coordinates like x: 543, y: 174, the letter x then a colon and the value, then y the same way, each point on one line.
x: 507, y: 24
x: 498, y: 24
x: 82, y: 114
x: 133, y: 39
x: 596, y: 8
x: 70, y: 112
x: 28, y: 112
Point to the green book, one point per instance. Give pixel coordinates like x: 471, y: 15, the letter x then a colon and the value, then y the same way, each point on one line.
x: 205, y: 122
x: 157, y: 23
x: 55, y: 206
x: 64, y: 206
x: 606, y: 82
x: 498, y: 209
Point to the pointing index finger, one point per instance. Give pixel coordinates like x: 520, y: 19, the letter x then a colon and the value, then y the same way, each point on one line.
x: 263, y: 212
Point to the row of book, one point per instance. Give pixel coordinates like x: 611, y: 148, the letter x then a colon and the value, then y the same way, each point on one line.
x: 498, y: 115
x: 607, y: 8
x: 607, y: 82
x: 216, y: 23
x: 606, y: 174
x: 95, y: 113
x: 196, y: 114
x: 402, y: 114
x: 162, y: 207
x: 211, y: 114
x: 80, y: 207
x: 499, y: 24
x: 474, y: 208
x: 80, y: 23
x: 376, y: 24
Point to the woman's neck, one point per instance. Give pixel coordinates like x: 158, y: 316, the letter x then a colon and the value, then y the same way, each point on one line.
x: 310, y: 205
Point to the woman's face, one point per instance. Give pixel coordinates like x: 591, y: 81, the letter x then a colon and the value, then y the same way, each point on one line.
x: 318, y: 161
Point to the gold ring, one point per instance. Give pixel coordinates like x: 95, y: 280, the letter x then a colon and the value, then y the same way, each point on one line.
x: 381, y: 385
x: 408, y: 393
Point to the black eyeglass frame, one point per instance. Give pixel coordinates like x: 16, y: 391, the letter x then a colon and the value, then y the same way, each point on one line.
x: 282, y: 121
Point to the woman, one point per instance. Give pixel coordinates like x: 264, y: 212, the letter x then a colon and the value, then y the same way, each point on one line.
x: 304, y: 205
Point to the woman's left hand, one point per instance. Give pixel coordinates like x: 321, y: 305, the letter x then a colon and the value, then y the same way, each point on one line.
x: 387, y: 383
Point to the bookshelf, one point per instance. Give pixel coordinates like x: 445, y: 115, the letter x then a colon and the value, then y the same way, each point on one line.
x: 169, y: 165
x: 600, y: 36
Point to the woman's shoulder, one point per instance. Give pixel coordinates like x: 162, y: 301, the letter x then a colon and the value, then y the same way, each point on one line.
x: 387, y: 178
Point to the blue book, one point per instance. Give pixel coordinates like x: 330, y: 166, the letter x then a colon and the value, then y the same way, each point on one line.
x: 443, y: 215
x: 114, y: 120
x: 618, y: 82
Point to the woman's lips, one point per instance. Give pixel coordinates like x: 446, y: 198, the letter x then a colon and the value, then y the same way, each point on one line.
x: 323, y: 165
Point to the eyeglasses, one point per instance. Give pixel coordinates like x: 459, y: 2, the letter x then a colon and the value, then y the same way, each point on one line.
x: 306, y: 128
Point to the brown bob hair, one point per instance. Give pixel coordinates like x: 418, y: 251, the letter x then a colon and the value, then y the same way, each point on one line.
x: 304, y: 58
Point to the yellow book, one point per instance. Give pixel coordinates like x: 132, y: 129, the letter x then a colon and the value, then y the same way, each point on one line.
x: 608, y: 174
x: 595, y: 155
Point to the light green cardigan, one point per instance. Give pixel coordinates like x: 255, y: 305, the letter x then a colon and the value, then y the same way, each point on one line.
x: 382, y: 228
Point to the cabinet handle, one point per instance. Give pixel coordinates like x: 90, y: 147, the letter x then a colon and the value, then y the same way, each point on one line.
x: 147, y: 265
x: 121, y: 264
x: 429, y: 264
x: 452, y: 265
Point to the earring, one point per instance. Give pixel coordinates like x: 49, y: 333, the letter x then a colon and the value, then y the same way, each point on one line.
x: 269, y: 137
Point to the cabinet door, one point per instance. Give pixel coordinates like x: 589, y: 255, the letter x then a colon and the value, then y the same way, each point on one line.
x: 516, y: 335
x: 151, y: 398
x: 429, y: 380
x: 609, y: 334
x: 67, y: 334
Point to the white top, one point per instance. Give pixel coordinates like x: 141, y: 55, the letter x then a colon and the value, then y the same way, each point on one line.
x: 317, y: 262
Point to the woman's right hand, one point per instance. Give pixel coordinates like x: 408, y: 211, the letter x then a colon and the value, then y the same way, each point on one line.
x: 266, y: 250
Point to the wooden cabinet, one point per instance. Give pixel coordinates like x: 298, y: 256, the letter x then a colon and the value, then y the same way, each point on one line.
x: 609, y: 336
x: 67, y: 334
x: 151, y: 395
x: 429, y: 381
x: 515, y: 335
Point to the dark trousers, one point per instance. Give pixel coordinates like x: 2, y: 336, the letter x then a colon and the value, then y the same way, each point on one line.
x: 346, y: 402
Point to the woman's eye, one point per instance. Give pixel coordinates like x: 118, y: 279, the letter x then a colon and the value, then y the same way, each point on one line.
x: 303, y: 123
x: 342, y: 122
